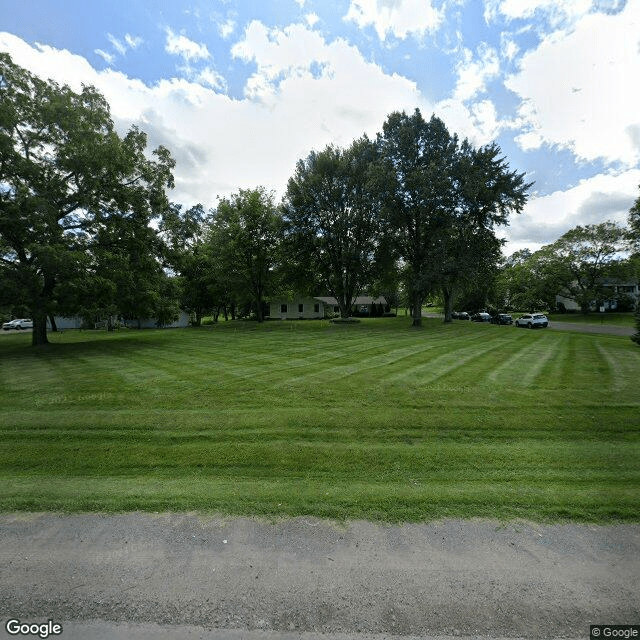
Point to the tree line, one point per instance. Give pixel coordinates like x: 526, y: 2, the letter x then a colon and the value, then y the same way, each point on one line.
x: 86, y: 226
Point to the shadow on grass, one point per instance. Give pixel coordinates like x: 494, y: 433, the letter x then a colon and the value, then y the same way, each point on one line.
x: 76, y: 342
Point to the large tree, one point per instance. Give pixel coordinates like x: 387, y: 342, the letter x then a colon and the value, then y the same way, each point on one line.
x: 582, y: 259
x: 67, y: 179
x: 245, y: 236
x: 466, y: 246
x: 332, y: 223
x: 444, y: 200
x: 417, y: 186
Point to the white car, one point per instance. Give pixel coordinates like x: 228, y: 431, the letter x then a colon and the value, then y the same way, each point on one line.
x: 18, y: 323
x: 532, y: 320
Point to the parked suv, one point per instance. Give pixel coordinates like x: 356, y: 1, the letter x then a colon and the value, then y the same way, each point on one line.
x: 481, y: 317
x: 532, y: 320
x: 502, y: 318
x: 18, y: 323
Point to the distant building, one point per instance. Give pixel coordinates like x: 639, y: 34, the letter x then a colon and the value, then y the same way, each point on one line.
x: 301, y: 307
x: 77, y: 322
x: 615, y: 290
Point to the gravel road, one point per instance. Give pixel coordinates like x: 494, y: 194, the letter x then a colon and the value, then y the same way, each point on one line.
x: 136, y: 576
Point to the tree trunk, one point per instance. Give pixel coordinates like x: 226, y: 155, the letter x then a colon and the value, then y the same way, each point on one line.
x: 447, y: 294
x: 39, y: 333
x: 416, y: 310
x: 52, y: 320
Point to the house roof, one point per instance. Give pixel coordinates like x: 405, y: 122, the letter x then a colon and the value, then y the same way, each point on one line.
x: 358, y: 300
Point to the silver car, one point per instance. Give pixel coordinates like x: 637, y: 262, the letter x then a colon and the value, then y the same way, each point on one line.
x: 18, y: 323
x: 532, y: 320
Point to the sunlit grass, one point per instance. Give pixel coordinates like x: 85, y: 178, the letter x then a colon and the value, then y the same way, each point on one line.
x: 375, y: 420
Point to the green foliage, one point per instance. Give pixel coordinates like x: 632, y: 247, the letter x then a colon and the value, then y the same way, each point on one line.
x: 332, y: 222
x: 244, y: 239
x: 634, y: 225
x: 71, y: 190
x: 444, y: 200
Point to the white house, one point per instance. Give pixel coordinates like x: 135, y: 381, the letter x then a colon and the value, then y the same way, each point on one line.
x: 300, y: 307
x: 615, y: 289
x: 76, y: 322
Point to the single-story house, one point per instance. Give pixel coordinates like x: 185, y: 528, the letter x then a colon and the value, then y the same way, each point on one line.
x: 309, y: 307
x: 77, y: 322
x: 615, y: 289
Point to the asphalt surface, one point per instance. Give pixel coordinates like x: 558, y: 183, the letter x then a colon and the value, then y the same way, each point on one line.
x: 184, y: 576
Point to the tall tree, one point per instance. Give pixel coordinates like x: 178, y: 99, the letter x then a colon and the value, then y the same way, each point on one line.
x: 486, y: 192
x: 65, y: 175
x: 245, y: 235
x: 332, y: 223
x: 417, y: 183
x: 183, y: 234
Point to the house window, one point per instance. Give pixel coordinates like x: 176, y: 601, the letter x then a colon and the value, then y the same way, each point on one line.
x: 283, y: 308
x: 300, y: 308
x: 316, y: 307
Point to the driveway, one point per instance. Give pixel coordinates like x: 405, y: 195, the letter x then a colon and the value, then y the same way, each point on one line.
x: 585, y: 327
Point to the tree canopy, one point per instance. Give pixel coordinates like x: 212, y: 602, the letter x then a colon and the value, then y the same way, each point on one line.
x: 75, y: 197
x: 443, y: 201
x: 332, y: 222
x: 244, y: 235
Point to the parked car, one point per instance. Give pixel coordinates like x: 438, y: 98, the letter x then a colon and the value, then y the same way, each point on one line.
x: 463, y: 315
x: 481, y: 317
x: 502, y: 318
x: 531, y: 320
x: 455, y: 315
x: 18, y: 323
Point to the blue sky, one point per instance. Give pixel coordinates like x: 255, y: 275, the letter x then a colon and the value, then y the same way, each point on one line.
x: 240, y: 90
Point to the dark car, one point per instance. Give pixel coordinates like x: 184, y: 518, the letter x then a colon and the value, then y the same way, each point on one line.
x: 502, y: 318
x: 463, y: 315
x: 481, y: 317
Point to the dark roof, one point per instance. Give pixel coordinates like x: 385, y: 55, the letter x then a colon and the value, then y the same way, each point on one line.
x: 358, y: 300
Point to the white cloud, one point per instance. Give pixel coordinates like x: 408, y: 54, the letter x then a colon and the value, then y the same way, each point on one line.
x: 227, y: 28
x: 118, y: 45
x: 474, y: 74
x: 187, y: 49
x: 311, y: 19
x: 594, y: 200
x: 296, y: 66
x: 212, y: 78
x: 398, y: 17
x: 508, y: 48
x: 477, y: 122
x: 558, y: 12
x: 305, y: 94
x: 109, y: 58
x: 579, y: 92
x: 133, y: 41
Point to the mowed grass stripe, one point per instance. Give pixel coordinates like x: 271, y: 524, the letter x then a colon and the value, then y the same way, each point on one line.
x: 314, y: 411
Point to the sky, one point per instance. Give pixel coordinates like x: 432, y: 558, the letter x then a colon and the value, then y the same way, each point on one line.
x: 240, y: 90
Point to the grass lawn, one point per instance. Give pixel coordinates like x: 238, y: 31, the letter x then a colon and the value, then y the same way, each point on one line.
x: 374, y: 420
